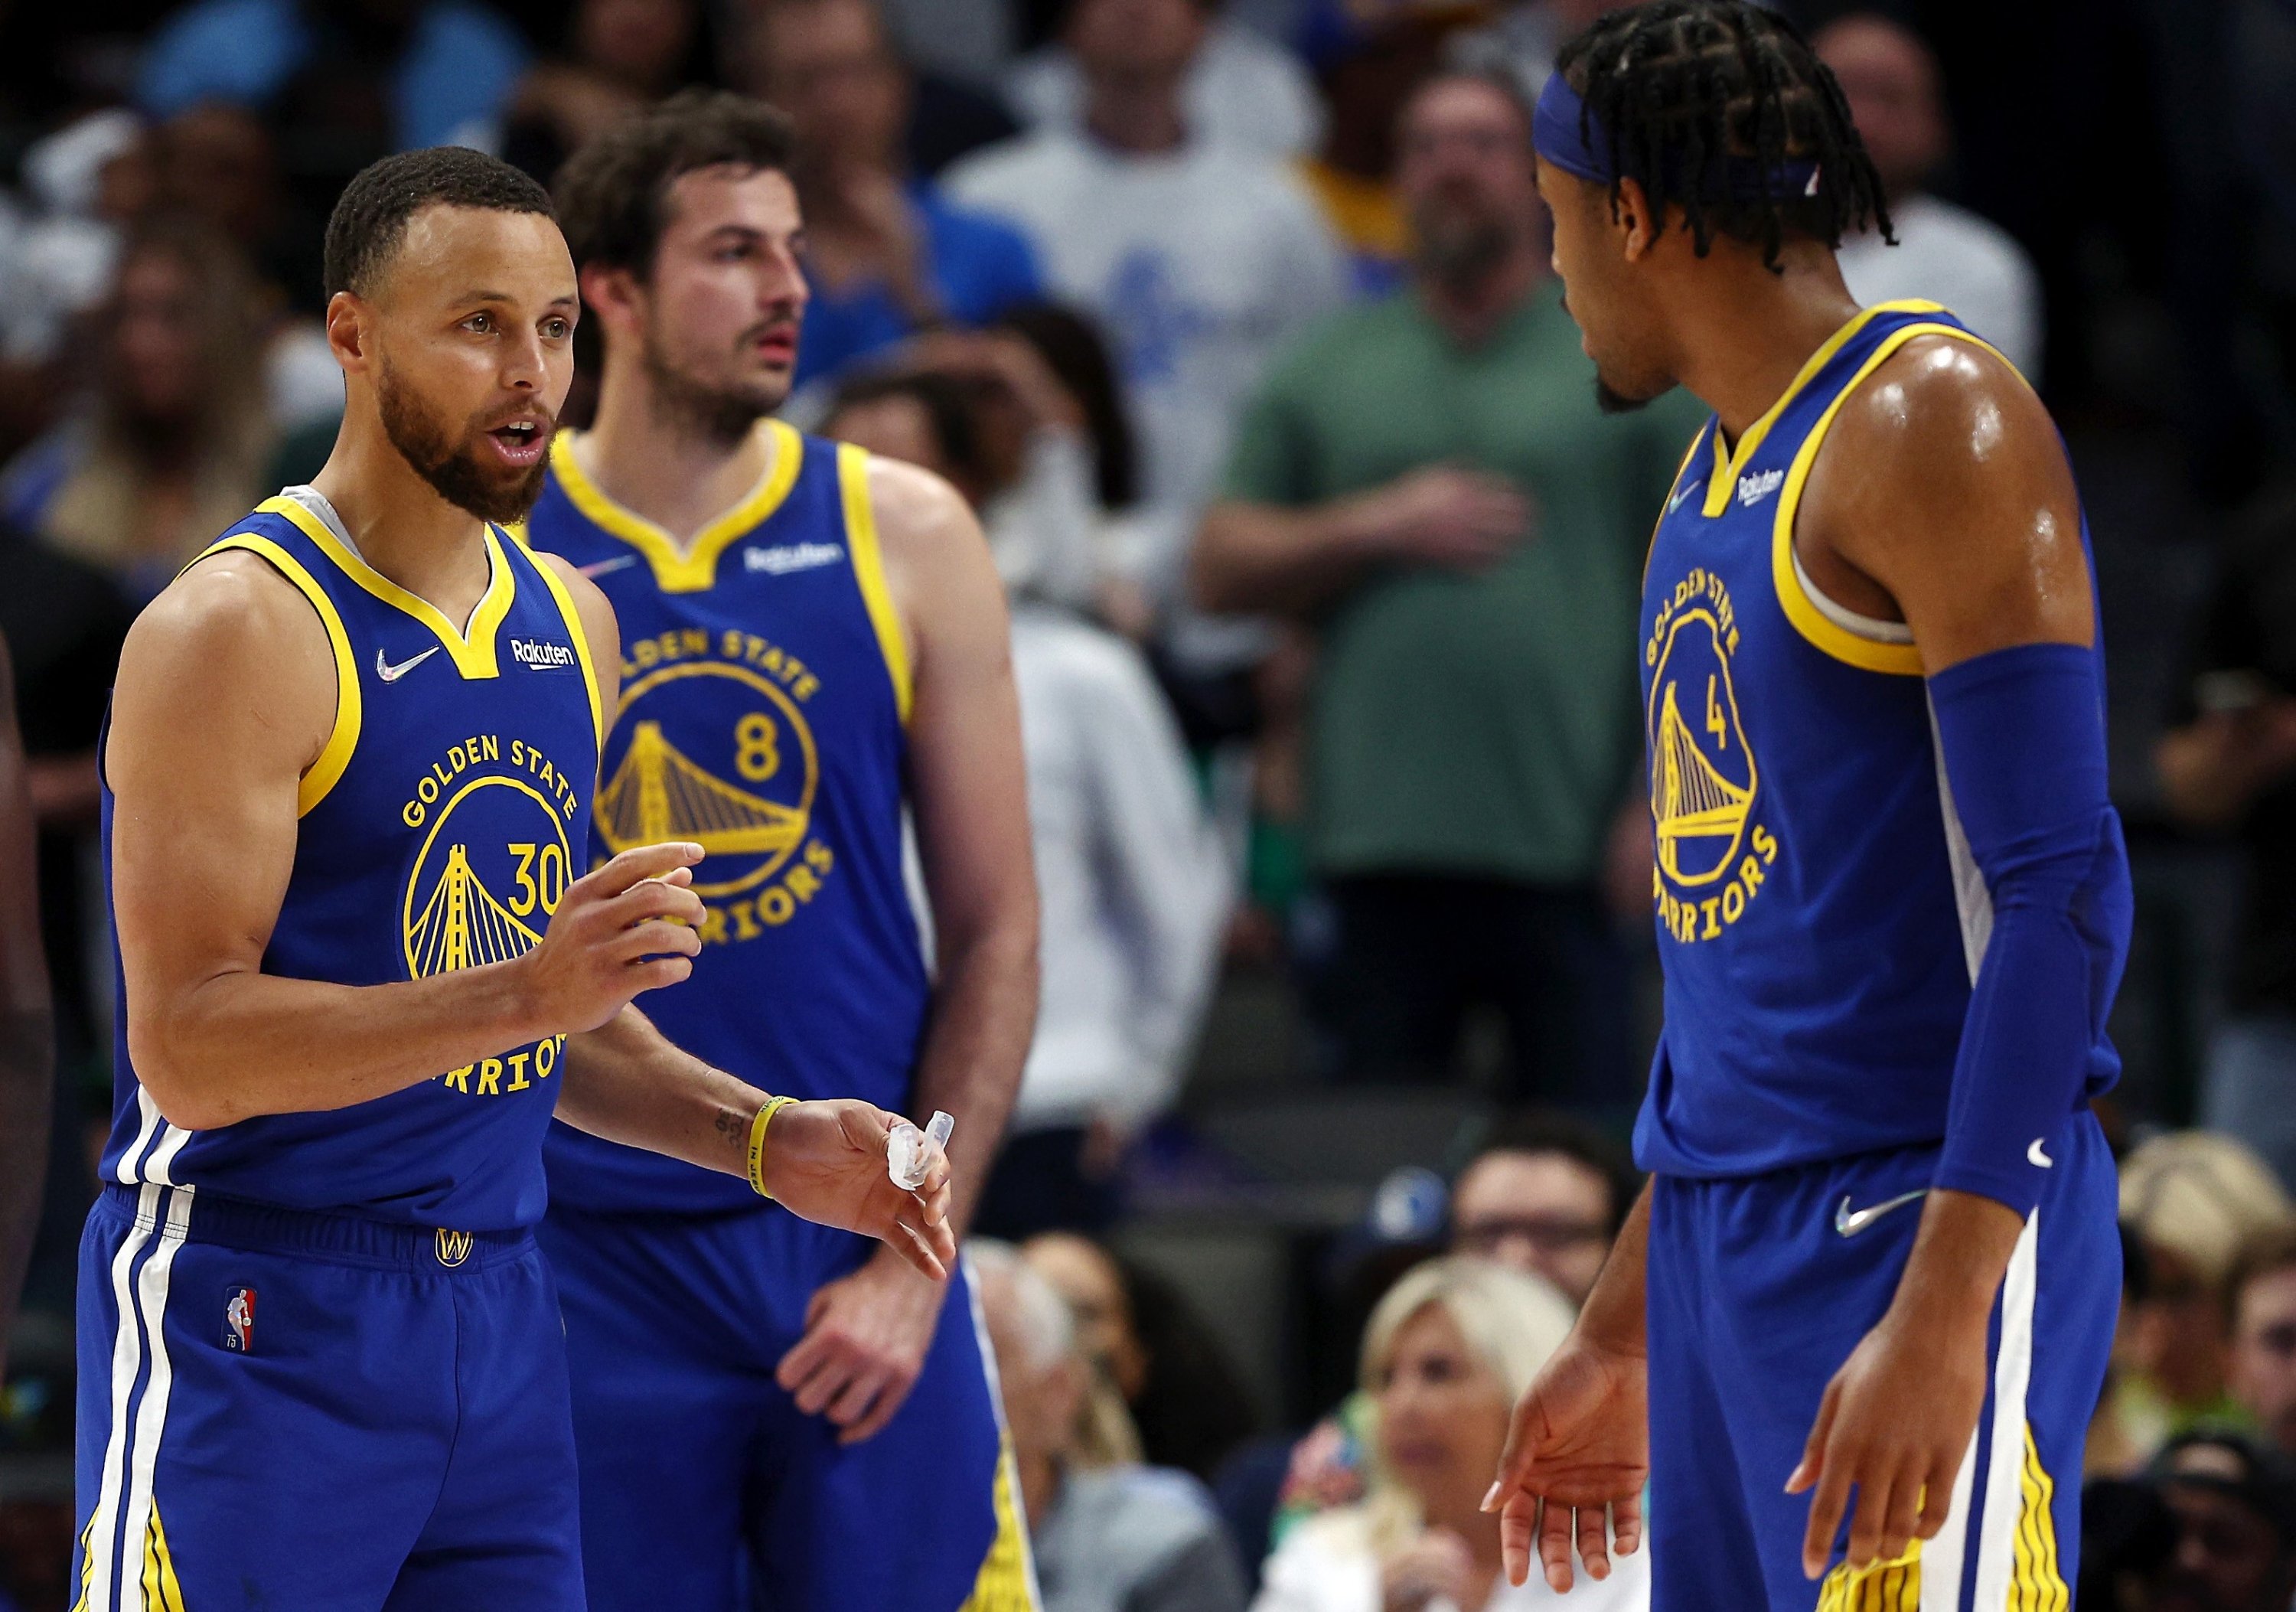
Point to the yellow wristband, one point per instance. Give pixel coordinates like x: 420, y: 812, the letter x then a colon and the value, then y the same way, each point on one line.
x: 757, y: 1142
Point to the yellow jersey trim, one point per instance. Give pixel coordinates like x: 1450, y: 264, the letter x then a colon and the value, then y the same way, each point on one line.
x: 683, y: 568
x: 1825, y: 633
x: 473, y: 654
x: 1728, y: 466
x: 162, y: 1592
x: 322, y: 775
x: 2036, y: 1582
x: 869, y: 569
x: 1881, y: 1586
x: 566, y: 608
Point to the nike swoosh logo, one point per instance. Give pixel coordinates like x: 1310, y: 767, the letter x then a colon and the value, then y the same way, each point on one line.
x: 1683, y: 496
x: 2035, y: 1154
x: 1850, y: 1221
x: 602, y: 567
x: 391, y: 674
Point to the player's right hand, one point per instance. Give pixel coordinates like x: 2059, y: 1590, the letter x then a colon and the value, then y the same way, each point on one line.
x: 627, y: 928
x: 1577, y: 1458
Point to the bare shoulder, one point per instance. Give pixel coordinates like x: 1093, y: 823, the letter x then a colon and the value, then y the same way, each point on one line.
x: 1944, y: 483
x: 937, y: 561
x: 918, y: 511
x: 231, y: 646
x: 1941, y: 415
x: 229, y: 608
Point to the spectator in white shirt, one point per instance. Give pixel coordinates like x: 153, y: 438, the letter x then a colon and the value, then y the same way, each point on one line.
x: 1242, y: 89
x: 1444, y: 1356
x: 1943, y: 253
x: 1129, y: 875
x: 1200, y: 259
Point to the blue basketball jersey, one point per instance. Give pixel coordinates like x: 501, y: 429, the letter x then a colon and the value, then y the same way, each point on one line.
x: 439, y: 830
x: 1820, y: 919
x: 765, y: 688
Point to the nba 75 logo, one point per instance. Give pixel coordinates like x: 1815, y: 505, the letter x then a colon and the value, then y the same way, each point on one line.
x: 239, y: 1320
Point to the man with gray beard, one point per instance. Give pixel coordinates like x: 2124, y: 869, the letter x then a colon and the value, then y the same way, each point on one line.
x: 1431, y: 483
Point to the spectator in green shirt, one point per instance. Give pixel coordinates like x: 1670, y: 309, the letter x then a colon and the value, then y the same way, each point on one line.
x: 1428, y: 483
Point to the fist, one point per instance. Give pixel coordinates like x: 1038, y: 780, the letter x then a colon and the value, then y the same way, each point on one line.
x: 627, y: 928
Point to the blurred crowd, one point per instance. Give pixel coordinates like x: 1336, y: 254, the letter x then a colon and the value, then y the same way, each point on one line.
x: 1235, y: 323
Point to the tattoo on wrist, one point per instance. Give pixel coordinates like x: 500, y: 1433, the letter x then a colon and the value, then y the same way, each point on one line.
x: 735, y: 1128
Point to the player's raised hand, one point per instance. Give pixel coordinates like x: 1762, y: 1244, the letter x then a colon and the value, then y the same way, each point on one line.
x: 627, y: 928
x: 1576, y: 1459
x: 826, y: 1160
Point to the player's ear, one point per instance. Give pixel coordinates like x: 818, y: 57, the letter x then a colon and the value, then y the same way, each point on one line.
x: 347, y: 331
x: 613, y: 294
x: 1634, y: 220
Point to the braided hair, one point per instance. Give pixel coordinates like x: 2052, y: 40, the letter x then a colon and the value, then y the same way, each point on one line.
x: 1698, y: 96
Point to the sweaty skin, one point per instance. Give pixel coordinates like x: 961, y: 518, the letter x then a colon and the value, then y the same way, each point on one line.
x: 1941, y: 498
x: 227, y: 696
x: 715, y: 320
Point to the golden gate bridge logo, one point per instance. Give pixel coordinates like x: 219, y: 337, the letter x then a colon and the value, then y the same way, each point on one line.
x: 1703, y: 775
x: 462, y: 920
x: 657, y: 794
x: 658, y: 791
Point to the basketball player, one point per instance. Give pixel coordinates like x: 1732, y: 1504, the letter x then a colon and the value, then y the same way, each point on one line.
x: 814, y: 638
x: 1872, y: 1282
x: 349, y: 769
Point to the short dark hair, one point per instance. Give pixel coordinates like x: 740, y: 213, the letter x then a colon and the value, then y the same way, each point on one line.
x: 1544, y: 1131
x: 611, y: 191
x: 947, y: 404
x: 1685, y: 90
x: 372, y: 213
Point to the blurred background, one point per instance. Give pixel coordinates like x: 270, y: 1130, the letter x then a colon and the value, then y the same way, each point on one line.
x: 1234, y: 321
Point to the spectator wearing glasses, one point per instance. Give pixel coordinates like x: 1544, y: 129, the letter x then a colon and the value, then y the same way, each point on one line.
x: 2263, y: 1371
x: 1545, y: 1195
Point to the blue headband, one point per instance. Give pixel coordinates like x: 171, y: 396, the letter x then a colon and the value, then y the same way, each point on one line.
x: 1571, y: 138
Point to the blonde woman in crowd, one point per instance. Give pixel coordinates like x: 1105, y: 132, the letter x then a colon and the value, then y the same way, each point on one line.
x: 2191, y: 1200
x: 1445, y: 1356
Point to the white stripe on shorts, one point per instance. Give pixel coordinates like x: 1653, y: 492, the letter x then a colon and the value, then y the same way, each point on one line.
x: 2013, y: 1372
x: 123, y: 1505
x: 151, y: 1415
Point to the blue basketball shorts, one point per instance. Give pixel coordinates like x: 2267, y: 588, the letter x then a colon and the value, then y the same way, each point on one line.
x: 279, y: 1409
x: 703, y: 1487
x: 1757, y: 1294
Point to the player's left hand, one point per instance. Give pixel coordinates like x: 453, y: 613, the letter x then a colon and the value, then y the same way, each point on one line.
x: 1894, y: 1425
x: 865, y: 1343
x: 826, y: 1160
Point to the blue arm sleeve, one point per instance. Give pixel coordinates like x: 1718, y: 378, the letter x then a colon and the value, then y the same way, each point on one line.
x: 2022, y: 732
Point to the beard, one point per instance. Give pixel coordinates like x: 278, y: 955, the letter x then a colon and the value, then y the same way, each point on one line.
x: 1610, y: 400
x: 720, y: 413
x: 453, y: 466
x: 1459, y: 247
